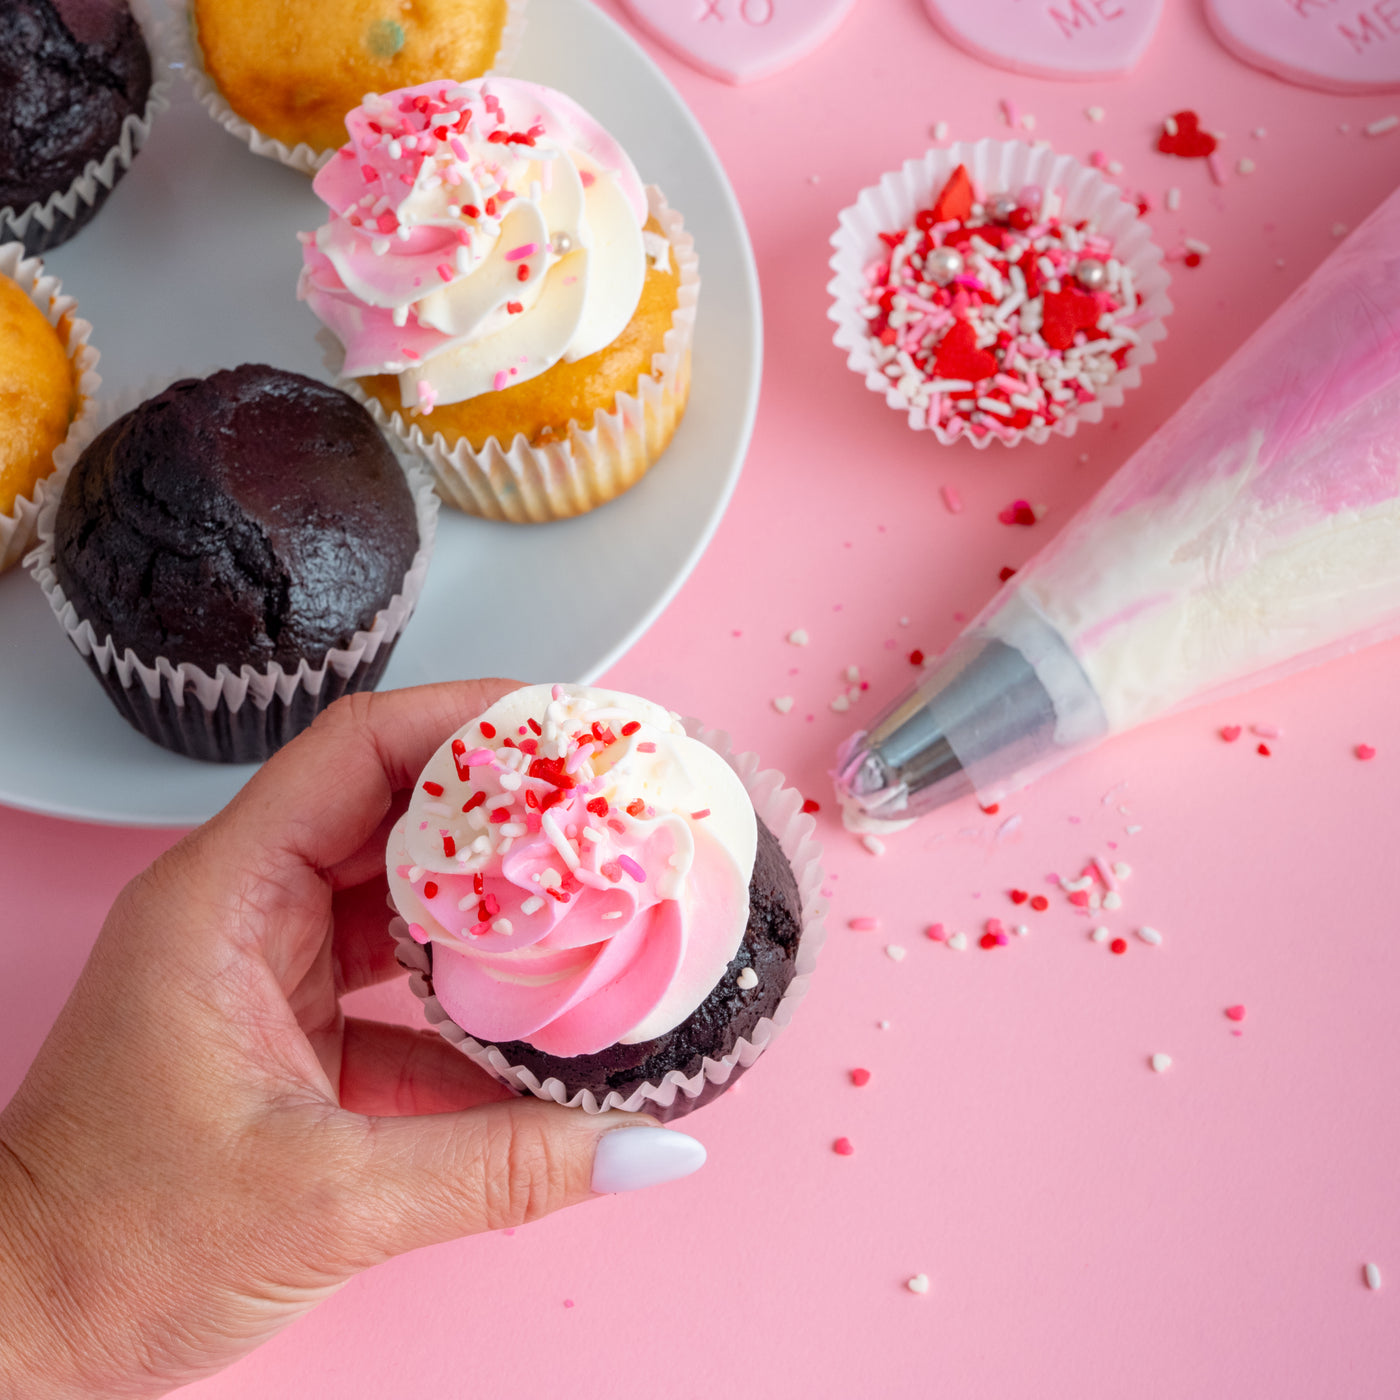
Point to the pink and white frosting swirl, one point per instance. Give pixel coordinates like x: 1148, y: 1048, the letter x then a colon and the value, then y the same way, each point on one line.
x: 581, y: 867
x: 479, y: 233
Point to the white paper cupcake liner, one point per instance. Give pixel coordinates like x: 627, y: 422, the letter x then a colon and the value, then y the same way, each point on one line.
x: 18, y: 528
x: 780, y: 809
x: 995, y: 166
x: 242, y: 716
x: 188, y: 54
x: 556, y: 481
x: 45, y: 225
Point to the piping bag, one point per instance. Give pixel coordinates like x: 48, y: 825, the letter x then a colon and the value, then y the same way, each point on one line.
x: 1256, y: 533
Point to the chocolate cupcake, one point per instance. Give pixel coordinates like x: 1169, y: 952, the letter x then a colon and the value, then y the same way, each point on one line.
x: 232, y: 555
x: 77, y: 95
x: 595, y: 909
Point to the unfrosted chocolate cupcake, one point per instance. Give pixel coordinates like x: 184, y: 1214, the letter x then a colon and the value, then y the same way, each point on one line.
x: 252, y: 522
x: 71, y: 73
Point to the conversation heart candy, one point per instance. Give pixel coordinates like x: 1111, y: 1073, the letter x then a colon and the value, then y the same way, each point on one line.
x: 1353, y: 47
x: 739, y: 40
x: 1073, y: 39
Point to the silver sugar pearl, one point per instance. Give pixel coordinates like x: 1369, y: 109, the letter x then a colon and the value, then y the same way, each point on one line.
x: 1091, y: 274
x: 561, y: 243
x: 942, y: 265
x: 1002, y: 208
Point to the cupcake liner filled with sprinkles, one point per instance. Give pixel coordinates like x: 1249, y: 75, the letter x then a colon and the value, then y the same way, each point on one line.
x: 187, y: 54
x: 997, y: 291
x: 19, y: 526
x: 779, y: 807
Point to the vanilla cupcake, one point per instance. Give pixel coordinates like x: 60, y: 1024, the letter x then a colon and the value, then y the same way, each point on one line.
x: 603, y: 908
x: 505, y: 294
x: 282, y: 77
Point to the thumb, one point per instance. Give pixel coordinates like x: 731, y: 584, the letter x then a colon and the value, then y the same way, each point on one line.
x: 440, y: 1177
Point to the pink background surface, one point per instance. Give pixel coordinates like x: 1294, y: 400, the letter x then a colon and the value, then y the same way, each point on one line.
x: 1089, y: 1227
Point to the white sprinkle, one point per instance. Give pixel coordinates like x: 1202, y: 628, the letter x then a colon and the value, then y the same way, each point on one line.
x: 1150, y: 935
x: 1022, y: 930
x: 502, y: 926
x: 904, y: 622
x: 919, y: 1283
x: 1095, y: 114
x: 1100, y: 935
x: 512, y: 829
x: 1169, y: 126
x: 1161, y: 1063
x: 558, y: 840
x: 882, y: 1025
x: 590, y: 833
x: 747, y: 979
x: 1132, y: 830
x: 852, y: 673
x: 1339, y: 230
x: 841, y: 704
x: 1122, y: 869
x: 550, y: 877
x: 782, y: 703
x: 894, y: 952
x: 534, y: 904
x: 814, y: 179
x: 1384, y: 124
x: 1344, y: 127
x: 1114, y: 167
x: 1174, y: 199
x: 798, y: 637
x: 1373, y: 1277
x: 1194, y: 245
x: 1259, y: 133
x: 1245, y: 166
x: 1075, y: 886
x: 1028, y: 121
x: 609, y: 914
x: 509, y: 780
x: 940, y: 131
x: 1112, y: 900
x: 957, y: 941
x: 873, y: 844
x: 415, y: 873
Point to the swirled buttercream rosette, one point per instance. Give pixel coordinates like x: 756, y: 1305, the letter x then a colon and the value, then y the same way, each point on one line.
x: 231, y: 717
x: 552, y: 961
x: 184, y: 43
x: 960, y: 300
x: 50, y: 222
x: 19, y: 527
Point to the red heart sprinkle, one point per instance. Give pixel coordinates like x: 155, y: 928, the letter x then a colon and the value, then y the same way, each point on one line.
x: 842, y: 1147
x: 860, y: 1077
x: 1188, y: 140
x: 1365, y: 752
x: 1006, y: 572
x: 811, y: 804
x: 1019, y: 896
x: 1017, y: 513
x: 1230, y: 733
x: 1067, y: 311
x: 1079, y: 898
x: 955, y: 199
x: 1235, y: 1013
x: 1265, y: 750
x: 959, y: 358
x: 988, y: 940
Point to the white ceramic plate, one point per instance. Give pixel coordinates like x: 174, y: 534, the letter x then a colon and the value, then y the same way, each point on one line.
x: 193, y: 264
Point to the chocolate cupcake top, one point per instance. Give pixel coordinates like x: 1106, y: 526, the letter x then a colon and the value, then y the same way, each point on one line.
x: 71, y: 72
x: 252, y: 517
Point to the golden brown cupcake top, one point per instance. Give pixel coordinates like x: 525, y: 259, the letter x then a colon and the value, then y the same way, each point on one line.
x: 37, y: 394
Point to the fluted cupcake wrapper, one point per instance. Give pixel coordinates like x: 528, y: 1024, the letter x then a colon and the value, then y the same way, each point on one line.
x: 995, y: 166
x: 592, y: 465
x: 45, y: 225
x: 19, y: 527
x: 242, y: 716
x: 780, y: 809
x: 185, y: 46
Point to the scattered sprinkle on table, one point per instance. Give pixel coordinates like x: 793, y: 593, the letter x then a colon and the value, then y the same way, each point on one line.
x: 1384, y: 124
x: 863, y: 923
x: 1231, y: 732
x: 1161, y: 1063
x: 782, y: 703
x: 842, y: 1147
x: 936, y: 932
x: 957, y: 942
x: 1365, y: 752
x: 1119, y: 946
x: 1099, y: 935
x: 860, y: 1077
x: 1150, y: 935
x: 894, y: 952
x: 873, y: 844
x: 798, y: 637
x: 1235, y: 1013
x: 919, y: 1282
x: 1373, y: 1276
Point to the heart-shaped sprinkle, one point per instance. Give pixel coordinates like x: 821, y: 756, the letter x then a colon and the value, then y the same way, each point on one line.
x: 1077, y: 39
x: 860, y: 1077
x: 1314, y: 44
x: 959, y: 358
x: 1235, y: 1013
x: 738, y: 41
x: 917, y: 1284
x: 1231, y: 732
x: 895, y: 952
x: 782, y: 703
x: 1161, y: 1063
x: 1365, y: 752
x: 1018, y: 513
x: 1182, y: 136
x: 1066, y: 312
x: 842, y: 1147
x: 957, y: 941
x: 1080, y: 899
x: 936, y: 932
x: 1019, y: 896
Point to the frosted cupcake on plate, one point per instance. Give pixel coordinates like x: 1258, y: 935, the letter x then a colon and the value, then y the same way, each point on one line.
x: 603, y: 907
x: 504, y: 294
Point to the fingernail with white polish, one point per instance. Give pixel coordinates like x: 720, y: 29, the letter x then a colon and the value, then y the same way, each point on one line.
x: 627, y: 1159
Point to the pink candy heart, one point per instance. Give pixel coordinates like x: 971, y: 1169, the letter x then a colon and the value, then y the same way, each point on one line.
x: 739, y: 40
x: 1073, y: 39
x: 1338, y: 48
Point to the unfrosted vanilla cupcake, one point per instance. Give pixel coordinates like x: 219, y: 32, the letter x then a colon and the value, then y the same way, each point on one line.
x: 606, y: 909
x: 505, y: 294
